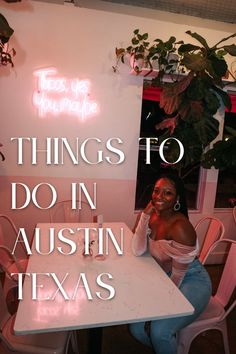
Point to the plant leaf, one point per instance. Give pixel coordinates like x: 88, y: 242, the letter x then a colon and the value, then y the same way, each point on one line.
x: 225, y: 97
x: 187, y: 48
x: 225, y: 39
x: 199, y: 39
x: 222, y: 155
x: 212, y: 102
x: 135, y: 41
x: 195, y: 62
x: 5, y: 30
x: 231, y: 49
x: 218, y: 65
x: 145, y: 36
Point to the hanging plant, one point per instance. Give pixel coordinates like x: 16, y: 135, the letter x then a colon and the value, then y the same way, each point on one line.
x: 194, y: 91
x: 5, y: 33
x: 1, y: 154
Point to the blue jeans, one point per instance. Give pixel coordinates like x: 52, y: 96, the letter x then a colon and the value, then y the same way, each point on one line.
x: 196, y: 287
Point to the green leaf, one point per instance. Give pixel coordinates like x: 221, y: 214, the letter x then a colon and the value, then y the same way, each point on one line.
x: 231, y: 49
x: 199, y: 39
x: 5, y: 30
x: 225, y: 97
x: 145, y: 36
x: 187, y: 48
x: 221, y: 156
x: 136, y: 31
x: 170, y: 42
x: 206, y: 129
x: 230, y: 130
x: 212, y: 102
x: 218, y: 65
x: 135, y: 41
x: 195, y: 90
x: 146, y: 44
x: 221, y: 53
x: 158, y: 40
x: 195, y: 62
x: 225, y: 39
x: 170, y: 104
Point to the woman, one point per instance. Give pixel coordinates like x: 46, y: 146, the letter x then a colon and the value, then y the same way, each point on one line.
x: 164, y: 228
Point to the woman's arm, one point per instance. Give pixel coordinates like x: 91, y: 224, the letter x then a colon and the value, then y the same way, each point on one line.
x: 139, y: 241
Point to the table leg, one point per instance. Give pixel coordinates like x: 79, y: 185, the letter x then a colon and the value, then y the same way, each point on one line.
x: 95, y: 340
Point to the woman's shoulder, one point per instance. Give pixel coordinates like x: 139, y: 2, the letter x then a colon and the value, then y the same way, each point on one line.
x: 182, y: 231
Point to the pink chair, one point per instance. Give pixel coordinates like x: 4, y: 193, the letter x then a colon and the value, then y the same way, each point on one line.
x: 12, y: 233
x: 8, y: 262
x: 214, y: 316
x: 234, y: 213
x: 62, y: 212
x: 48, y: 343
x: 214, y: 231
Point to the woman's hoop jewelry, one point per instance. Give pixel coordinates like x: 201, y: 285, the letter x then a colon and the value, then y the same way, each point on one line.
x: 177, y: 206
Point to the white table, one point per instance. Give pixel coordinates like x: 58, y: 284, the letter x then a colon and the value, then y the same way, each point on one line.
x: 143, y: 290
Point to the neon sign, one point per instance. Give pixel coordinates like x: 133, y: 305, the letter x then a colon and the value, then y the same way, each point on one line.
x: 57, y: 95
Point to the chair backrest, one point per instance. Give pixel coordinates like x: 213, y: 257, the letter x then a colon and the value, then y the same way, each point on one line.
x: 7, y: 259
x: 9, y: 230
x: 62, y: 212
x: 4, y: 314
x: 228, y: 279
x: 234, y: 213
x: 214, y: 231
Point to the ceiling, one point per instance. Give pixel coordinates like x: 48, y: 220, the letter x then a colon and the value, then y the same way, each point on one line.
x: 218, y: 10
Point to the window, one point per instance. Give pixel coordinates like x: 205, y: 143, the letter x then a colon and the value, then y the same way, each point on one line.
x: 147, y: 174
x: 226, y: 186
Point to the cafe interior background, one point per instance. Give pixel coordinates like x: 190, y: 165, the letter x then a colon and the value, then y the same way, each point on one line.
x: 79, y: 42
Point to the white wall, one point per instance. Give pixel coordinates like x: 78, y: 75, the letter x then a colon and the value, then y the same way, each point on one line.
x: 80, y: 43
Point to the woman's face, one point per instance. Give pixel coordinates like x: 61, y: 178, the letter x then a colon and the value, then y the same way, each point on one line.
x: 164, y: 195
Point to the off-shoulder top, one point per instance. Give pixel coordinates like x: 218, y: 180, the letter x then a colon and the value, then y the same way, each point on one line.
x: 173, y: 256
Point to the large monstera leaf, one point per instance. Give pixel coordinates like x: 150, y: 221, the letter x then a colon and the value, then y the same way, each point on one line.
x: 185, y: 133
x: 5, y: 30
x: 221, y: 156
x: 191, y: 101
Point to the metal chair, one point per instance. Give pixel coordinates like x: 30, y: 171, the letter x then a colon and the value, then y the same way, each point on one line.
x: 214, y: 231
x: 12, y: 228
x: 8, y: 261
x: 62, y: 212
x: 214, y: 316
x: 48, y: 343
x: 234, y: 213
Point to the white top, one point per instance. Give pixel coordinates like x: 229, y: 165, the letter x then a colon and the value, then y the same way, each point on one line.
x: 173, y: 256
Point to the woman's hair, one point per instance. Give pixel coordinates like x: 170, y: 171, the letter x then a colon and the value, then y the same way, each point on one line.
x: 180, y: 190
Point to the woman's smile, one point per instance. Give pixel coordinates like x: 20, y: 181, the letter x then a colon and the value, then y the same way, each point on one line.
x: 164, y: 195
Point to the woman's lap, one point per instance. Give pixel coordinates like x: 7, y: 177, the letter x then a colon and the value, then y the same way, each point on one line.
x: 196, y: 287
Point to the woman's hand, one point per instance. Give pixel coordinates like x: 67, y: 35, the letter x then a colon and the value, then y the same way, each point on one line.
x: 149, y: 208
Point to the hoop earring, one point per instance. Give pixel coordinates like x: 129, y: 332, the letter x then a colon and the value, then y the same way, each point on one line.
x: 177, y: 206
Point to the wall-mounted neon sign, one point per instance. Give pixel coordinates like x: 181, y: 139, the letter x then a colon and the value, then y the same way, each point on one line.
x: 57, y: 95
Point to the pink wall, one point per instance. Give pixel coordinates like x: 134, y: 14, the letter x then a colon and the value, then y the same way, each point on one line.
x: 76, y: 41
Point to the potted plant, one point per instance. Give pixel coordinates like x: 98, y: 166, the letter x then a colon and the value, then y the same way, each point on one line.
x: 5, y: 55
x: 143, y: 55
x: 5, y: 33
x: 194, y: 90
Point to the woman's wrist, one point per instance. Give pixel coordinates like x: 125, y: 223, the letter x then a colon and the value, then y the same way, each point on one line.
x: 149, y: 209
